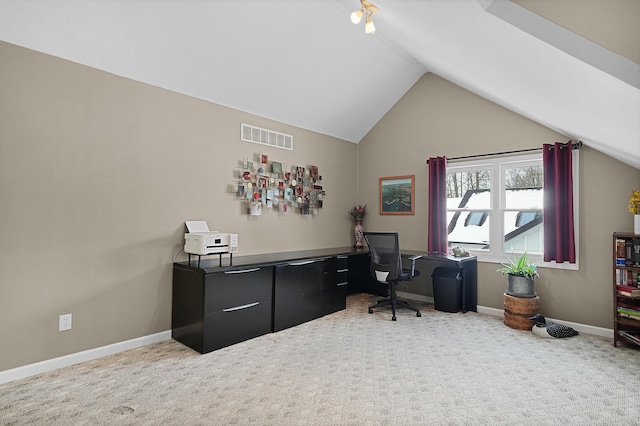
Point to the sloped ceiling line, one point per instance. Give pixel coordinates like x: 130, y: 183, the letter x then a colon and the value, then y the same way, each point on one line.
x: 571, y: 43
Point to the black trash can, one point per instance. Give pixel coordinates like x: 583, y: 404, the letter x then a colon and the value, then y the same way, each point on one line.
x: 447, y: 289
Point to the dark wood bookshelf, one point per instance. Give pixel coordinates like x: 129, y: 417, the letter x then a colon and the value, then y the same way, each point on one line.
x: 626, y: 271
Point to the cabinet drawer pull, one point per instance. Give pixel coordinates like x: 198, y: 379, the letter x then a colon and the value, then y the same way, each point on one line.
x: 237, y: 308
x: 305, y: 262
x: 343, y: 270
x: 341, y: 284
x: 242, y: 271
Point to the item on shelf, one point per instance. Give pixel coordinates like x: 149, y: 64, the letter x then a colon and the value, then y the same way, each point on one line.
x: 628, y: 252
x: 629, y: 313
x: 629, y: 316
x: 633, y: 336
x: 629, y: 307
x: 620, y: 251
x: 628, y: 290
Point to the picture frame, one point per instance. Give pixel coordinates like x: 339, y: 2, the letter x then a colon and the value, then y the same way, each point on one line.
x: 397, y: 195
x: 276, y: 167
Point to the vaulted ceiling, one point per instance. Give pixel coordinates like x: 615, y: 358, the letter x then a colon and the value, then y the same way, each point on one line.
x: 303, y: 62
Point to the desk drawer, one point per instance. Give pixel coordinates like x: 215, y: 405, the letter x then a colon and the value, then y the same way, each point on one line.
x: 232, y: 326
x: 230, y: 289
x: 342, y: 278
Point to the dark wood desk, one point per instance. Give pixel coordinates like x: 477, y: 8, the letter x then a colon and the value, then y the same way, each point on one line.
x: 216, y: 304
x: 361, y: 281
x: 468, y: 267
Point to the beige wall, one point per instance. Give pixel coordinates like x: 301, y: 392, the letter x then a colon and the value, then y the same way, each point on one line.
x: 98, y: 174
x: 437, y: 117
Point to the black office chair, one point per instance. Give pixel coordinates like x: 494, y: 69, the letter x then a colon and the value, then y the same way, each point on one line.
x: 386, y: 267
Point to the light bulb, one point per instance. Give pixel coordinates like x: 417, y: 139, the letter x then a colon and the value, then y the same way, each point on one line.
x: 356, y: 16
x: 369, y: 28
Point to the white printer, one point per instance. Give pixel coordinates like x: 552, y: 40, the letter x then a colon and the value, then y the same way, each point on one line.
x: 201, y: 241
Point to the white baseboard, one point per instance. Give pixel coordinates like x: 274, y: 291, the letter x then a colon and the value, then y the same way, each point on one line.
x: 76, y: 358
x: 490, y: 311
x: 582, y: 328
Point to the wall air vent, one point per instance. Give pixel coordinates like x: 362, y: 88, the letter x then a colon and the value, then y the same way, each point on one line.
x: 255, y: 134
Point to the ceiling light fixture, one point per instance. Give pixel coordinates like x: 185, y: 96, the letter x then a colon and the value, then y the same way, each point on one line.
x: 367, y: 9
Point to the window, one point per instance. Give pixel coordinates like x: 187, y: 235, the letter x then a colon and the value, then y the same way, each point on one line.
x: 495, y: 207
x: 525, y: 217
x: 476, y: 218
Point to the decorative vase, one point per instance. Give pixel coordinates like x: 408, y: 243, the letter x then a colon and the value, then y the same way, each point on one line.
x: 636, y: 224
x: 520, y: 286
x: 358, y: 232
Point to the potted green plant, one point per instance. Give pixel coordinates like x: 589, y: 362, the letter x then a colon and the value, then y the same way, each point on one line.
x: 521, y: 274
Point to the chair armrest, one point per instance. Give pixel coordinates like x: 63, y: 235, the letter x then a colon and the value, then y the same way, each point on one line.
x: 413, y: 264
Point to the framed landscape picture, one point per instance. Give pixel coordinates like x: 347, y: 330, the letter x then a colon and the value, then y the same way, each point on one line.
x: 397, y: 194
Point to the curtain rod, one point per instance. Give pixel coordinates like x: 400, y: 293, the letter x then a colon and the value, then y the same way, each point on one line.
x: 576, y: 145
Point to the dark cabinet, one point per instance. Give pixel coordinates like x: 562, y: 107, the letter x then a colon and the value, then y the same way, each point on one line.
x: 309, y: 289
x: 360, y: 278
x: 216, y: 306
x: 235, y: 325
x: 297, y: 293
x: 211, y: 311
x: 335, y: 283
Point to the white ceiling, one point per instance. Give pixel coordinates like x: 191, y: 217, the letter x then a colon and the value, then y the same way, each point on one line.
x: 302, y: 62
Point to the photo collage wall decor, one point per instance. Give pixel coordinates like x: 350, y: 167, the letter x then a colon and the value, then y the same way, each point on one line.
x: 265, y: 184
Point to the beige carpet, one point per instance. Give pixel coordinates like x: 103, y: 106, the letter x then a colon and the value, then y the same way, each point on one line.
x: 348, y: 368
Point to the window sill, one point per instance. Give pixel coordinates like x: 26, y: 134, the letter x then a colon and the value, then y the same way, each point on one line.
x: 537, y: 260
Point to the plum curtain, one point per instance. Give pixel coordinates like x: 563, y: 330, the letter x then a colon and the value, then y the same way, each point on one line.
x: 437, y: 229
x: 559, y: 241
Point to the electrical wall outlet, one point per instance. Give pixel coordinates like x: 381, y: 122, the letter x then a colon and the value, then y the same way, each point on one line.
x: 65, y: 322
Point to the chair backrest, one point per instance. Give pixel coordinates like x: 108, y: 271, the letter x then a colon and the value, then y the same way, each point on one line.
x: 384, y: 250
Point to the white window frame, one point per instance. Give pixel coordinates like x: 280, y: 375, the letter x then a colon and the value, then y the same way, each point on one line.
x: 497, y: 165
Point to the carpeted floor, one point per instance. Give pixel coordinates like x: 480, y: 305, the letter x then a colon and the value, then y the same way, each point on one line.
x: 348, y: 368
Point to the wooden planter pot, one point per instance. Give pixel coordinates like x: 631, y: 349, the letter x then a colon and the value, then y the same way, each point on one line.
x: 518, y: 310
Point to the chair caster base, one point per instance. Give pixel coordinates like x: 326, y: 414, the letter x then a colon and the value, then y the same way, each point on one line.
x: 370, y: 310
x: 393, y: 318
x: 418, y: 314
